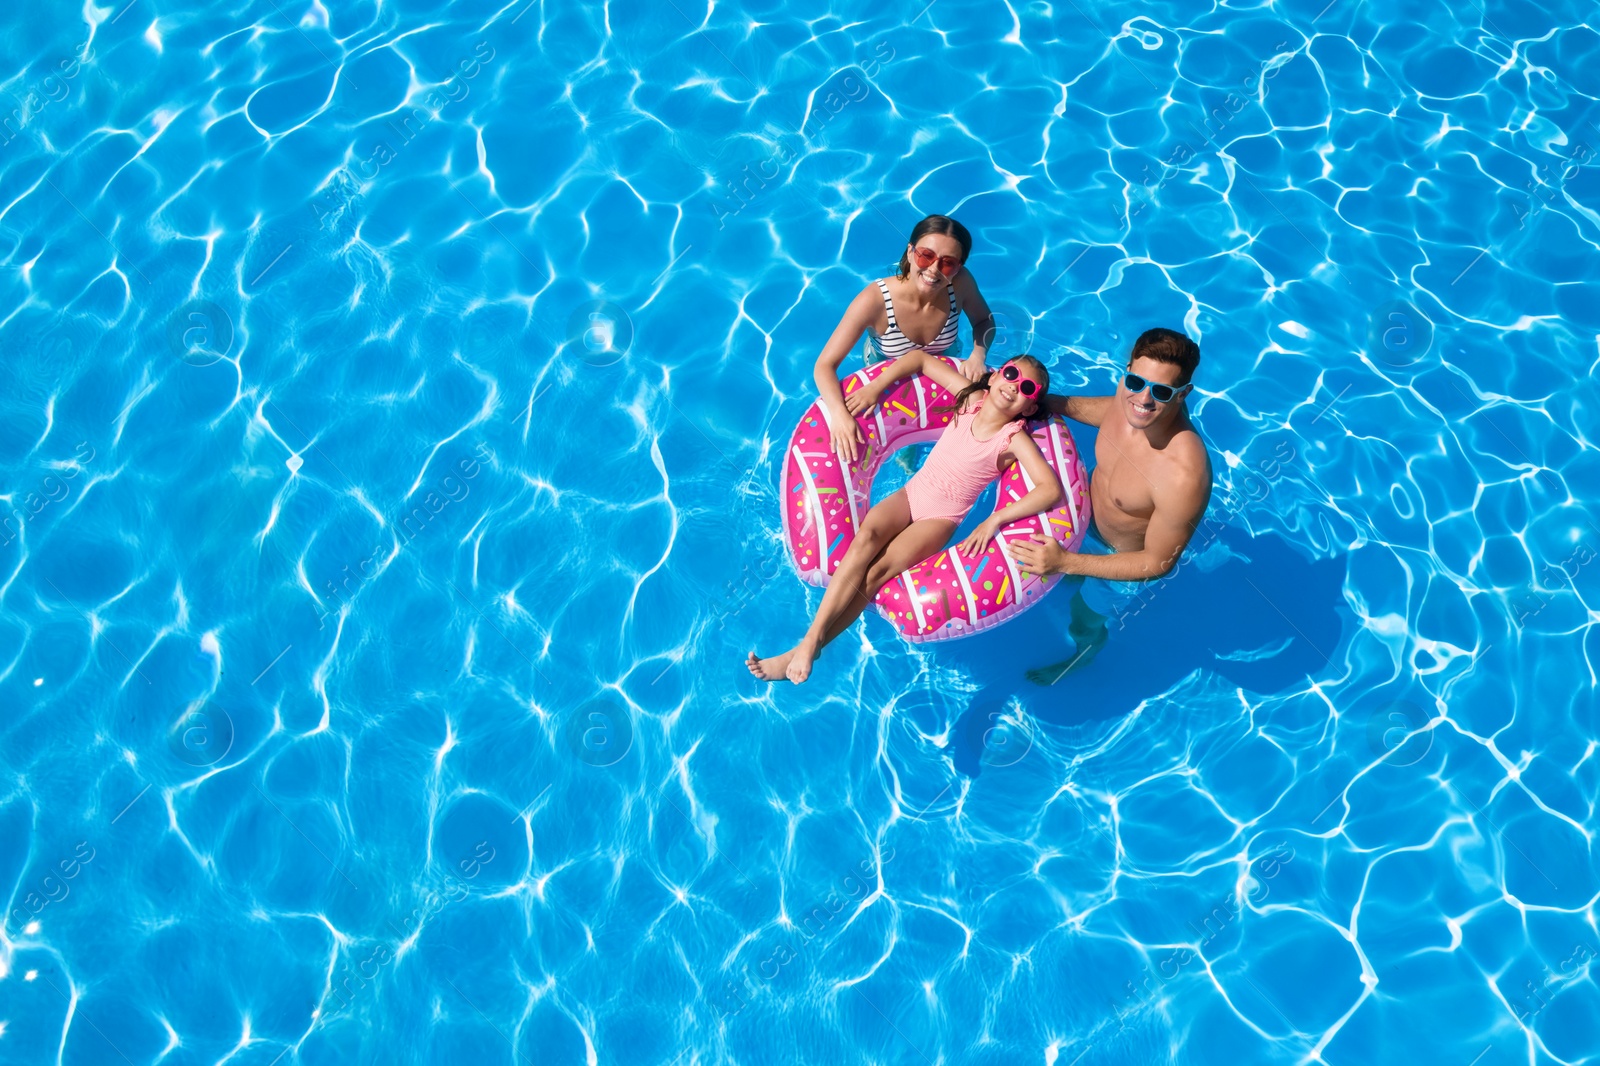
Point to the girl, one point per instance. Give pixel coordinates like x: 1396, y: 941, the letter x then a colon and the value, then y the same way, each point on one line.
x: 918, y: 307
x: 975, y: 448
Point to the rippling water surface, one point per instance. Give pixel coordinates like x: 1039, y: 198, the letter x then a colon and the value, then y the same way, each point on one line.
x: 388, y: 449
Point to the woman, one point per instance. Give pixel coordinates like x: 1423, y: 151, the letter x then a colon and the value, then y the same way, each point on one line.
x: 917, y: 309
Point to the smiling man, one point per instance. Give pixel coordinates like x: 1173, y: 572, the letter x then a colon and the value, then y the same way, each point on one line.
x: 1150, y: 484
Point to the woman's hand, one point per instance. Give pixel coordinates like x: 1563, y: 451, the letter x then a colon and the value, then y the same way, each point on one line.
x: 845, y: 434
x: 973, y: 368
x: 978, y: 542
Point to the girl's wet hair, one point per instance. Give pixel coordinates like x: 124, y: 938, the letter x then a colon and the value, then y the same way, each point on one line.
x: 942, y: 224
x: 1040, y: 372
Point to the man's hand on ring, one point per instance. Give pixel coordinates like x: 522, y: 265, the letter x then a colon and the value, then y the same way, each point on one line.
x: 1040, y: 555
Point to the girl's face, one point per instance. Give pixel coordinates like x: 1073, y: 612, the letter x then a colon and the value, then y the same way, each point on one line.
x: 1007, y: 386
x: 928, y: 274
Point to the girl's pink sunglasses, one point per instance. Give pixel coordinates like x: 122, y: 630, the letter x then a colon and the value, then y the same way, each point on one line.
x: 1027, y: 386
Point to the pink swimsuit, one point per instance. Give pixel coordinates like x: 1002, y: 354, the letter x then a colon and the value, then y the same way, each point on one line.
x: 957, y: 470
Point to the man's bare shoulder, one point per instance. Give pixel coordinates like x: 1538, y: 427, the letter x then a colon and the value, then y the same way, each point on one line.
x: 1187, y: 446
x: 1188, y: 466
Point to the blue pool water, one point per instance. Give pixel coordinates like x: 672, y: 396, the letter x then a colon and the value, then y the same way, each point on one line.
x: 388, y: 434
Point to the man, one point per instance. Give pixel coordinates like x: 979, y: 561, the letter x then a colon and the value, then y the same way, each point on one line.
x: 1150, y: 484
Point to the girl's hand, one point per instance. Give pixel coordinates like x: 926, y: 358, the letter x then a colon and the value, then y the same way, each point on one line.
x: 978, y: 543
x: 973, y: 368
x: 845, y: 435
x: 862, y: 400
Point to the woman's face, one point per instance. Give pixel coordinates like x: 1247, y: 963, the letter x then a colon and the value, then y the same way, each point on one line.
x: 931, y: 277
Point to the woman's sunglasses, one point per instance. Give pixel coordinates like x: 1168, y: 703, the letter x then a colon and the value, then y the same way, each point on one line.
x: 1158, y: 392
x: 1027, y: 386
x: 927, y: 256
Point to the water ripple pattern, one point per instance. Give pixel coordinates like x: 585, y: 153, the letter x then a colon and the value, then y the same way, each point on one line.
x: 392, y: 407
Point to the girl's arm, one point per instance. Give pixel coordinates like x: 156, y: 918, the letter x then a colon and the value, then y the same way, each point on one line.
x: 1045, y: 494
x: 916, y: 361
x: 842, y: 428
x: 982, y: 319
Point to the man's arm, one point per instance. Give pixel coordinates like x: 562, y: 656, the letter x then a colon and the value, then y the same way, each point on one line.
x: 1176, y: 515
x: 1090, y: 410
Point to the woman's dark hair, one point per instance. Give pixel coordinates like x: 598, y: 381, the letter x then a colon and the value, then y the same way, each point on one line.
x: 1040, y: 371
x: 1168, y: 346
x: 942, y: 224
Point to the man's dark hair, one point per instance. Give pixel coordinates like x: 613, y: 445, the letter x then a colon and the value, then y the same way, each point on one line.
x: 1168, y: 346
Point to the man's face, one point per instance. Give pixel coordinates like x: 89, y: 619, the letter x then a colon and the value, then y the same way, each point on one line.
x: 1143, y: 410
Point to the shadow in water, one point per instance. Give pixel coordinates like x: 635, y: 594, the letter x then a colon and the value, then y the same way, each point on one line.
x: 1255, y: 611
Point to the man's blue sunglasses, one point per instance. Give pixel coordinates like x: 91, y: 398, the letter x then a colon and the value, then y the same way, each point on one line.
x: 1158, y: 392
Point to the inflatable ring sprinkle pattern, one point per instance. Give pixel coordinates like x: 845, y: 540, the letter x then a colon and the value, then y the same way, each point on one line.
x: 948, y: 594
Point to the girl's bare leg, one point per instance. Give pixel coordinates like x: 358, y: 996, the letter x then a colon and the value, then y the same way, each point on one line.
x: 915, y: 543
x: 882, y: 525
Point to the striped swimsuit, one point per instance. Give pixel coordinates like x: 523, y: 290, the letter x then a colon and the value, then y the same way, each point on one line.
x: 894, y: 343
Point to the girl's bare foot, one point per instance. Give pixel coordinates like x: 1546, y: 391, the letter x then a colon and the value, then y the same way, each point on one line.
x: 769, y: 669
x: 800, y: 661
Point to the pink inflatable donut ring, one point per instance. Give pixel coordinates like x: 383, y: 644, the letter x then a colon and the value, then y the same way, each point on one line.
x: 948, y: 594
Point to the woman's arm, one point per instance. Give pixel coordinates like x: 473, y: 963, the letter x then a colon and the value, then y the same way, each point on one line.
x: 842, y: 428
x: 982, y: 319
x: 1045, y: 494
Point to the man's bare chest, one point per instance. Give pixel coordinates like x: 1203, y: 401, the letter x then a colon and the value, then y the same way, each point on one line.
x: 1120, y: 482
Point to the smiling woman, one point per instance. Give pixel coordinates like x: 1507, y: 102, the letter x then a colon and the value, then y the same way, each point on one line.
x: 924, y: 299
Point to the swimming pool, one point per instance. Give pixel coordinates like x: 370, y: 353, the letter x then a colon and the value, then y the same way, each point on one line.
x: 391, y: 487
